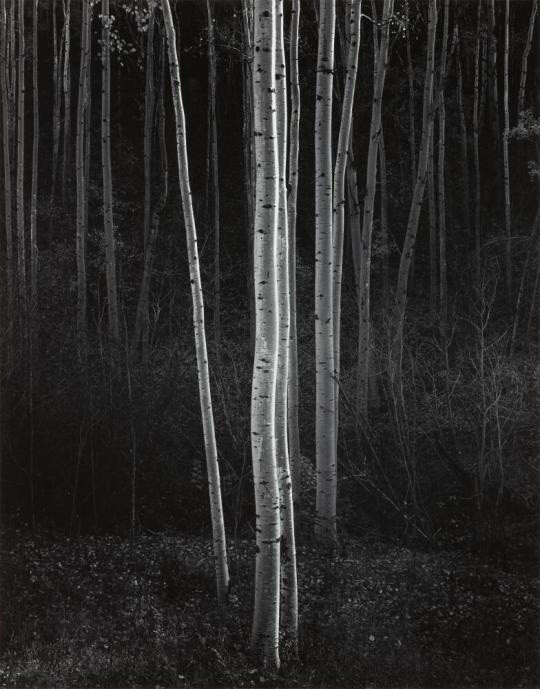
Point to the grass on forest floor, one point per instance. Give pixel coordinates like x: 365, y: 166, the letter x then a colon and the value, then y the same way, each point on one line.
x: 85, y: 612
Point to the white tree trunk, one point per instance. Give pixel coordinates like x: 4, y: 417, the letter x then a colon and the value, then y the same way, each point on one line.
x: 35, y: 145
x: 21, y: 235
x: 325, y: 427
x: 443, y: 286
x: 214, y: 486
x: 525, y: 58
x: 506, y: 162
x: 352, y: 18
x: 265, y: 630
x: 294, y: 145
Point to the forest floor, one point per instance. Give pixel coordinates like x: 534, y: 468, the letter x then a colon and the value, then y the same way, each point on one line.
x: 107, y: 613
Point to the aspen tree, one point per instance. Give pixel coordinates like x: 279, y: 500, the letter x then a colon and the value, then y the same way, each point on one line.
x: 353, y: 15
x: 364, y: 311
x: 265, y: 628
x: 525, y: 58
x: 443, y: 284
x: 35, y: 146
x: 416, y: 202
x: 21, y: 238
x: 289, y: 589
x: 6, y: 157
x: 506, y: 163
x: 66, y: 86
x: 476, y: 152
x: 110, y: 253
x: 325, y: 427
x: 433, y: 253
x: 214, y: 487
x: 215, y: 173
x: 294, y: 145
x: 149, y: 106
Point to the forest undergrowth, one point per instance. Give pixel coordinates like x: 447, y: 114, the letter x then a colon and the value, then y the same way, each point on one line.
x: 103, y: 612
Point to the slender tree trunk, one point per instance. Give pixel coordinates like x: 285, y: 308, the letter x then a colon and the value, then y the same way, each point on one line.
x: 385, y: 241
x: 364, y: 314
x: 525, y: 58
x: 325, y: 427
x: 353, y: 17
x: 110, y: 252
x: 21, y: 235
x: 57, y: 94
x: 214, y: 487
x: 443, y: 284
x: 289, y: 589
x: 416, y: 202
x: 6, y: 157
x: 215, y: 175
x: 506, y: 163
x: 66, y: 85
x: 294, y: 145
x: 35, y: 145
x: 265, y: 630
x: 476, y: 151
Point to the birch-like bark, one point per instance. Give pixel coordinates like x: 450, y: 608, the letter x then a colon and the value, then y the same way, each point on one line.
x: 443, y: 283
x: 325, y: 426
x: 476, y: 151
x: 416, y: 202
x: 289, y: 589
x: 21, y: 235
x: 66, y: 87
x: 353, y: 13
x: 35, y: 147
x: 265, y: 629
x: 525, y: 58
x: 293, y: 391
x: 214, y: 486
x: 108, y: 226
x: 57, y: 95
x: 149, y: 107
x: 6, y: 156
x: 364, y: 309
x: 506, y: 162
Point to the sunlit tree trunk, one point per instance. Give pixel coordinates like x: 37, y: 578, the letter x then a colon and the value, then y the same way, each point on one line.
x: 352, y: 17
x: 443, y: 284
x: 212, y: 78
x: 525, y: 58
x: 21, y: 235
x: 294, y: 145
x: 214, y: 487
x: 110, y: 252
x: 6, y: 169
x: 325, y: 427
x: 433, y: 249
x: 506, y: 163
x: 364, y: 314
x: 66, y: 87
x: 35, y: 145
x: 416, y: 202
x: 289, y: 590
x: 265, y: 630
